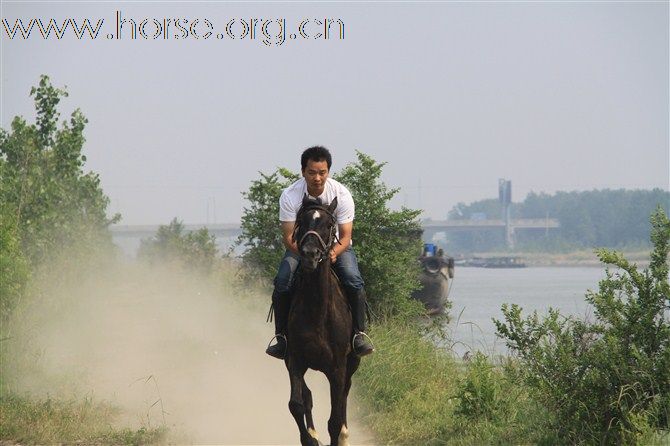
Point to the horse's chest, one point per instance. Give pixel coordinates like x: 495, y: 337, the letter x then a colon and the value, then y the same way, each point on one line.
x: 314, y: 354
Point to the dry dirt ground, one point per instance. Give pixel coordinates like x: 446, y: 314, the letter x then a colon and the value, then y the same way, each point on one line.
x: 170, y: 349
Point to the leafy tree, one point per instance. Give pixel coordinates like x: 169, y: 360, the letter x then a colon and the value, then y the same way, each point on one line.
x: 47, y: 201
x: 606, y: 381
x: 14, y: 268
x: 196, y: 249
x: 387, y: 242
x: 53, y: 202
x: 261, y: 234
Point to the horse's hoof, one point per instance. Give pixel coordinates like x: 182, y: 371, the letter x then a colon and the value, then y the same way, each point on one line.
x: 311, y: 441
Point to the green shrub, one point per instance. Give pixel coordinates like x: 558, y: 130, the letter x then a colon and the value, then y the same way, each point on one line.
x: 606, y: 381
x: 387, y: 242
x: 261, y: 235
x: 480, y: 394
x: 172, y: 244
x: 416, y: 393
x: 14, y: 269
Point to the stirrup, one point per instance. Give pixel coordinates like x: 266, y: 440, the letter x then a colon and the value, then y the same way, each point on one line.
x: 353, y: 342
x: 278, y: 351
x: 277, y: 336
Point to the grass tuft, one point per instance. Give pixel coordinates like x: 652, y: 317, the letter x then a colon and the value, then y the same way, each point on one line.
x: 25, y: 420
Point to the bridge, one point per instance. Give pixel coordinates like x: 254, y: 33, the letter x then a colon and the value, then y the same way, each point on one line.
x: 132, y: 234
x: 430, y: 227
x: 469, y: 225
x: 511, y: 227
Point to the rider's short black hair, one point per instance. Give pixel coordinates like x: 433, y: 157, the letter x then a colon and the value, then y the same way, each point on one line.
x: 316, y: 153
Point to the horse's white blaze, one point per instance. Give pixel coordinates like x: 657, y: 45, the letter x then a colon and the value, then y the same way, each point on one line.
x: 315, y: 215
x: 312, y: 433
x: 343, y: 439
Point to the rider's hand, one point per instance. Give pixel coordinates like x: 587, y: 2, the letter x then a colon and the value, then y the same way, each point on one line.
x: 333, y: 257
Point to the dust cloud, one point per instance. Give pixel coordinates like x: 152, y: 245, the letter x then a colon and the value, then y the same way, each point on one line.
x: 170, y: 349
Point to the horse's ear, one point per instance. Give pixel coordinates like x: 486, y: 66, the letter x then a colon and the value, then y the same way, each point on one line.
x: 333, y: 205
x: 305, y: 199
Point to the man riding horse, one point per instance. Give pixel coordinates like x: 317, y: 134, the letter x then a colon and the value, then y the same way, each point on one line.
x: 316, y: 184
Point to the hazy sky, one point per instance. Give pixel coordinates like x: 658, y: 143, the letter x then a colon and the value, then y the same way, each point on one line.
x: 551, y: 95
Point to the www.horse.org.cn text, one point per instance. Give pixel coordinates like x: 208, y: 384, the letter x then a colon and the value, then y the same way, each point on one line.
x: 270, y: 32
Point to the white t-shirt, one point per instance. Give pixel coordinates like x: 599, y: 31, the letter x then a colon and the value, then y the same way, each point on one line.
x: 291, y: 200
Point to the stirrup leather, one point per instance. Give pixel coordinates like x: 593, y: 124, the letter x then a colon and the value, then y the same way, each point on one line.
x: 353, y: 340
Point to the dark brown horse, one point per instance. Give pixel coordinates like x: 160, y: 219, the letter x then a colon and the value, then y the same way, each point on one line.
x: 319, y: 326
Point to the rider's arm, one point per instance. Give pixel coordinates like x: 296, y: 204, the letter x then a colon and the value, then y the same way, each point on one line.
x: 287, y: 236
x: 345, y: 231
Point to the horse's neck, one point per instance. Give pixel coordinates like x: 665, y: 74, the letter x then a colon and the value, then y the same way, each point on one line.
x: 318, y: 284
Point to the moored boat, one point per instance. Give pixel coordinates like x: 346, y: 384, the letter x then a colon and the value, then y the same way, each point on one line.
x: 437, y: 271
x: 492, y: 262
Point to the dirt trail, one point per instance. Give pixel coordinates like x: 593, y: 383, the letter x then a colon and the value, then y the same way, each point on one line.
x: 168, y: 349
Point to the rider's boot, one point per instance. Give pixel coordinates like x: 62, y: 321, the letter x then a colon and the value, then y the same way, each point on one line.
x: 361, y: 342
x: 281, y: 303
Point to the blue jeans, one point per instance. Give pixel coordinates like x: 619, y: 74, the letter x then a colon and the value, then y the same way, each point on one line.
x: 346, y: 268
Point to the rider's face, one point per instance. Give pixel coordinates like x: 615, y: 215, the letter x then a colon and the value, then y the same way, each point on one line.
x: 315, y: 173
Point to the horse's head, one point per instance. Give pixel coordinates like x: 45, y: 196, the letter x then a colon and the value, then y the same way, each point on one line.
x: 314, y: 232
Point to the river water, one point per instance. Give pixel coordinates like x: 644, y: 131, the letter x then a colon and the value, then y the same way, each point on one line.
x: 477, y: 295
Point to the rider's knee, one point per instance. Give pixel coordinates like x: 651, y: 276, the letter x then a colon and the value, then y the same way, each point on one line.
x: 353, y: 283
x: 347, y: 270
x: 282, y: 288
x: 282, y: 283
x: 284, y: 278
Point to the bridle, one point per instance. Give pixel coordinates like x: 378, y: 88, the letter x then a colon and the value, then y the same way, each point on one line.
x: 332, y: 238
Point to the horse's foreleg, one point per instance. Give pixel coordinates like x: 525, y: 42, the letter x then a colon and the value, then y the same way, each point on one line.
x: 353, y: 362
x: 339, y: 434
x: 307, y: 399
x: 297, y: 407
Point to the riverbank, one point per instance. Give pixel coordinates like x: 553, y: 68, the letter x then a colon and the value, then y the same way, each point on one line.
x: 586, y: 257
x: 417, y: 393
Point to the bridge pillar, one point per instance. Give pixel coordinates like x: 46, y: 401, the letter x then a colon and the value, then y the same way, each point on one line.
x: 509, y: 229
x: 505, y: 196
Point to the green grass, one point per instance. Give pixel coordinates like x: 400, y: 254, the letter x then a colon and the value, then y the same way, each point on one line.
x: 25, y: 420
x: 416, y: 393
